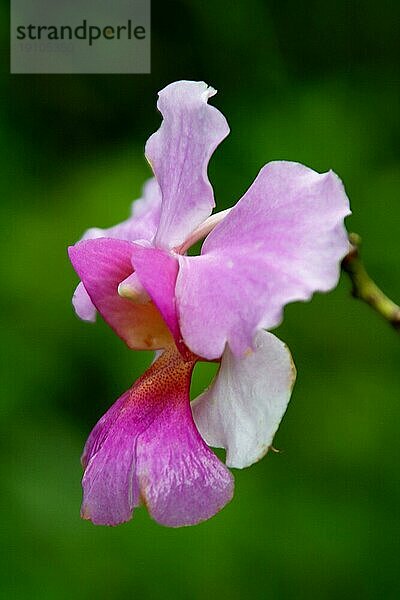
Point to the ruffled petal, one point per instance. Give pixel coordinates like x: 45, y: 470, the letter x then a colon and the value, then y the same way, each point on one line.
x: 282, y: 242
x: 142, y: 225
x: 102, y: 264
x: 242, y: 409
x: 179, y: 153
x: 147, y: 448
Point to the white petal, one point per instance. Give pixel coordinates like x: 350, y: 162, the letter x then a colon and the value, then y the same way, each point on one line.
x: 242, y: 409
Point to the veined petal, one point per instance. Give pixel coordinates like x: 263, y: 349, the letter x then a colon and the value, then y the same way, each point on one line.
x: 110, y: 489
x: 142, y: 225
x: 282, y: 242
x: 146, y: 212
x: 147, y: 448
x: 101, y: 430
x: 242, y: 409
x: 179, y: 153
x: 102, y: 264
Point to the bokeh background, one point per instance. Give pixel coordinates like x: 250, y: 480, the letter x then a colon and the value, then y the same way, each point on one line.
x: 315, y: 82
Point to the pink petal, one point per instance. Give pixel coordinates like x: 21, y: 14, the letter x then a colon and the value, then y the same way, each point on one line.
x: 157, y: 271
x: 243, y: 407
x: 179, y: 153
x: 84, y: 307
x: 147, y: 447
x: 102, y: 264
x: 282, y: 242
x: 99, y: 433
x: 110, y: 490
x: 142, y: 225
x: 146, y: 212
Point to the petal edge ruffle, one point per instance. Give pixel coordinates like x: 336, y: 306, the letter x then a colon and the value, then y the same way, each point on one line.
x: 179, y: 153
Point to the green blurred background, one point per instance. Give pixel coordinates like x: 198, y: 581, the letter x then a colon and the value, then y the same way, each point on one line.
x: 315, y: 83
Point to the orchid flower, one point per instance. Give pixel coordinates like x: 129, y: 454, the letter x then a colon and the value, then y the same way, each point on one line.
x: 281, y: 242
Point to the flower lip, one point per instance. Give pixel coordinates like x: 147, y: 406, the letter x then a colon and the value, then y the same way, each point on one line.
x: 147, y: 448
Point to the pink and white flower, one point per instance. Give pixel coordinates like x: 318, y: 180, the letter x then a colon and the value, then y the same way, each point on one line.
x: 281, y: 242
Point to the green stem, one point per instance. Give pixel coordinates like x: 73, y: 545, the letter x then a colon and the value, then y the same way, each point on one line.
x: 365, y: 288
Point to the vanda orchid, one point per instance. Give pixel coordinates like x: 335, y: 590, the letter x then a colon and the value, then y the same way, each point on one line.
x: 281, y: 242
